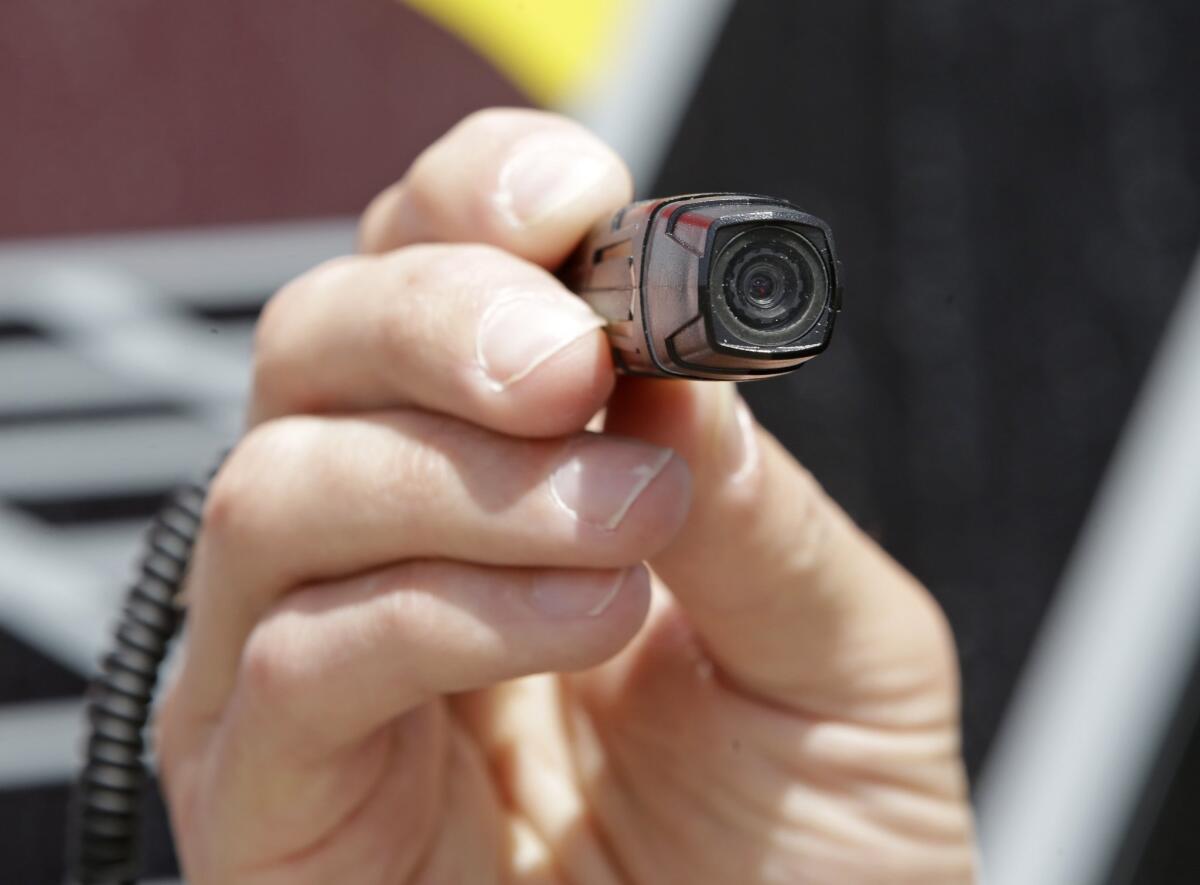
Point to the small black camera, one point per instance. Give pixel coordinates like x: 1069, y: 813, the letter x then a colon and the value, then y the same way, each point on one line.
x: 718, y: 286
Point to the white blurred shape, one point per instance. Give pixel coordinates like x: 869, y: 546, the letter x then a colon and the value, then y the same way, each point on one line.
x: 637, y: 100
x: 1112, y: 661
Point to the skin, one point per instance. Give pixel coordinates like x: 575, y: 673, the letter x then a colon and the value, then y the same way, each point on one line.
x: 423, y: 646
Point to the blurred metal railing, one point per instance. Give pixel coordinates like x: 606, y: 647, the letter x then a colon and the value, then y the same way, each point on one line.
x: 124, y: 364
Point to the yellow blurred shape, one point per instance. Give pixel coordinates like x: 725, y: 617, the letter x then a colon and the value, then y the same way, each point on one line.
x: 547, y: 47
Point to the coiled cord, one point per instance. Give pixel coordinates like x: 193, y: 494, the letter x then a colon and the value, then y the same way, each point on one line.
x: 106, y: 818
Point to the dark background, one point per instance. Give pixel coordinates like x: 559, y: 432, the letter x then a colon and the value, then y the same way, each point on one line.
x: 1014, y: 188
x: 1016, y: 193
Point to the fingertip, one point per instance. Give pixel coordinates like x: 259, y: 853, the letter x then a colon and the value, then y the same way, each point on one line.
x: 381, y: 226
x: 542, y: 366
x: 600, y: 611
x: 627, y: 613
x: 530, y: 182
x: 562, y: 394
x: 551, y: 186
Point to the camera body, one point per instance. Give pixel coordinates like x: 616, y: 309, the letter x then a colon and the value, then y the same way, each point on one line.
x: 718, y: 286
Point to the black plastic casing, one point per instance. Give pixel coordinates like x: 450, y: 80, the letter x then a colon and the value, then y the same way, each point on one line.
x: 647, y: 271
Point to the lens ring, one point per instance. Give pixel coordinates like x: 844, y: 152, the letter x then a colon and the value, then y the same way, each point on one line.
x: 767, y: 284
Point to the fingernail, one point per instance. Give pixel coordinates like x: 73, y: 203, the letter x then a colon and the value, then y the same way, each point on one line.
x: 601, y: 478
x: 545, y: 173
x: 573, y: 595
x: 518, y: 334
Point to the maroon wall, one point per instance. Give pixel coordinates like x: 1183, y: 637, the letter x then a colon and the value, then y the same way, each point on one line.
x: 143, y: 113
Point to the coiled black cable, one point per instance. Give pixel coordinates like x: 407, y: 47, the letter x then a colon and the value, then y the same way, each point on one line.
x: 105, y: 829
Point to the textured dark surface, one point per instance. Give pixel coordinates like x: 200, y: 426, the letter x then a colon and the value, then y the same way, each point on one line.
x: 35, y: 828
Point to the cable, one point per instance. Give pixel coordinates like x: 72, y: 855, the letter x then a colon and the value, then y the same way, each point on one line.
x: 104, y: 840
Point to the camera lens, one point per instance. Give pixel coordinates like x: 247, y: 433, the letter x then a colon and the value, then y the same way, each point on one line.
x: 769, y: 281
x: 764, y: 287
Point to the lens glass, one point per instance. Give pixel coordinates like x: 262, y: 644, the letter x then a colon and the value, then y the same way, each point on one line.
x: 767, y: 278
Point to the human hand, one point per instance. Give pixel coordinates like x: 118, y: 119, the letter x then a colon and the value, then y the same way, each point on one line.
x: 417, y: 519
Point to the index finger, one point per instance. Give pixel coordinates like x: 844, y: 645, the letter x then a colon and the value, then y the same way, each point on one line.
x: 529, y: 182
x: 453, y: 328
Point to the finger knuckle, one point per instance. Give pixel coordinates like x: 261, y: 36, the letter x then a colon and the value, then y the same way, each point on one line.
x: 279, y: 331
x: 276, y: 321
x: 275, y: 669
x: 424, y: 276
x: 392, y: 332
x: 413, y: 609
x: 421, y: 460
x: 223, y: 505
x: 233, y: 509
x: 412, y: 593
x: 433, y: 266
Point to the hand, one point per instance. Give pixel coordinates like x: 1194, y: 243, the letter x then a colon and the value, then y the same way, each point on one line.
x: 417, y: 521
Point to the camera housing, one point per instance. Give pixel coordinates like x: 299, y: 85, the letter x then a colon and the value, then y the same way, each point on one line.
x: 717, y: 286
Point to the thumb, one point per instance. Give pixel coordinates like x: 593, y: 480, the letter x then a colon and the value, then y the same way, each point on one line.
x: 792, y: 601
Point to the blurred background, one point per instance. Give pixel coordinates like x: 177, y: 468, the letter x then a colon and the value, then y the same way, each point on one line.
x: 1012, y: 404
